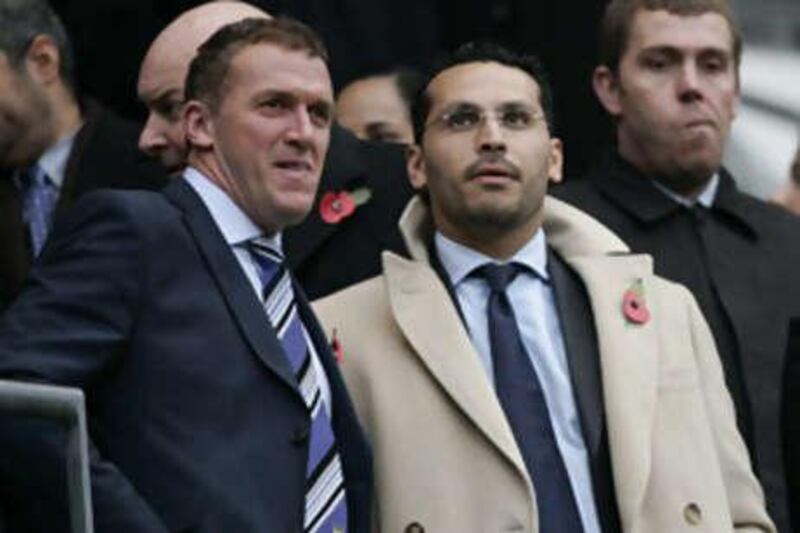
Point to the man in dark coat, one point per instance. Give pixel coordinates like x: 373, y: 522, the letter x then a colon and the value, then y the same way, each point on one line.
x: 669, y: 78
x: 46, y: 135
x: 214, y: 402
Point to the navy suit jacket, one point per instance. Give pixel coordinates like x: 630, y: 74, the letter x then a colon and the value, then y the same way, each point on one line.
x: 195, y: 419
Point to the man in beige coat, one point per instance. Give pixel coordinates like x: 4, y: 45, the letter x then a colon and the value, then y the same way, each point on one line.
x: 633, y: 429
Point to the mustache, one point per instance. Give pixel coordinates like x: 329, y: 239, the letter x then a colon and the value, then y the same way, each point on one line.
x: 494, y: 162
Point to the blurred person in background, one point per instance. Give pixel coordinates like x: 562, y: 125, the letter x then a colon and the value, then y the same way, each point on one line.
x: 378, y: 108
x: 53, y: 146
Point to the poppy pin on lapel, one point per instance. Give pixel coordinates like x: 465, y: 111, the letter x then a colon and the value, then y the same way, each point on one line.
x: 634, y: 305
x: 336, y: 347
x: 337, y: 206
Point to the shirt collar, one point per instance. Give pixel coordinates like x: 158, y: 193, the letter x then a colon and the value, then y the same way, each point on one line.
x: 705, y: 198
x: 236, y: 227
x: 459, y: 261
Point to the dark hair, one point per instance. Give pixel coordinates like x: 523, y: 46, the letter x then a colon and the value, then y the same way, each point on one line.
x: 796, y: 167
x: 21, y: 21
x: 209, y: 68
x: 615, y: 28
x: 482, y: 52
x: 408, y: 81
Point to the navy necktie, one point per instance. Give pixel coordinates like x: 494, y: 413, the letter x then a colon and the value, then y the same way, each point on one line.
x: 39, y: 201
x: 520, y: 393
x: 325, y: 501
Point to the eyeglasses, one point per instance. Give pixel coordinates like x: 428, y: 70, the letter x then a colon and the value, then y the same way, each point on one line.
x: 464, y: 118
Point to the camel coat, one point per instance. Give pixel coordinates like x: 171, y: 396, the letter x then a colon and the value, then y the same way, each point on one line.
x: 445, y: 459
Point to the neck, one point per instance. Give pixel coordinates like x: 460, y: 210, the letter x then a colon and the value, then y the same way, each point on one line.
x: 496, y: 242
x: 67, y: 117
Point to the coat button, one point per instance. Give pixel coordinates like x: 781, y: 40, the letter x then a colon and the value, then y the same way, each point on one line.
x: 300, y: 436
x: 414, y: 527
x: 692, y: 514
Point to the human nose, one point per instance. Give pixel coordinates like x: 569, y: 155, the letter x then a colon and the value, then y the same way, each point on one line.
x: 490, y: 134
x: 152, y: 139
x: 301, y: 127
x: 689, y: 84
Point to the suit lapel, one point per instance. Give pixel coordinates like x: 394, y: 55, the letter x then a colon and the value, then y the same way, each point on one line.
x: 425, y: 314
x: 629, y: 365
x: 233, y: 284
x: 580, y: 341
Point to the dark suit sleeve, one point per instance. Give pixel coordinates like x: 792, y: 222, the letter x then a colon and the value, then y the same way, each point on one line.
x: 71, y: 326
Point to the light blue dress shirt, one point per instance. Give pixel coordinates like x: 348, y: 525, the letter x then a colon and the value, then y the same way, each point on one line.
x: 238, y: 230
x: 534, y: 306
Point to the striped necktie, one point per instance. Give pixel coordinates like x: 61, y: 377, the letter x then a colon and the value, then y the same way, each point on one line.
x: 39, y: 201
x: 325, y: 501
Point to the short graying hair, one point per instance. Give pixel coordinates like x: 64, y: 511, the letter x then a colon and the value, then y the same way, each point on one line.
x: 21, y: 21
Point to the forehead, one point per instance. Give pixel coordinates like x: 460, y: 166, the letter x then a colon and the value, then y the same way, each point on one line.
x: 163, y: 70
x: 370, y: 95
x: 268, y: 67
x: 487, y: 84
x: 662, y: 29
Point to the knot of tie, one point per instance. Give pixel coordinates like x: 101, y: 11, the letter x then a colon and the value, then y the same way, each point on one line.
x: 498, y: 277
x: 269, y: 258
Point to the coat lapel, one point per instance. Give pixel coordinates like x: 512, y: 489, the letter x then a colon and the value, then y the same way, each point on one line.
x: 425, y: 314
x: 233, y: 284
x: 629, y: 366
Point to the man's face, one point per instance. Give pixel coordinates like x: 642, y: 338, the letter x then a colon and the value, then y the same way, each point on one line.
x: 25, y: 116
x: 270, y: 133
x: 486, y: 154
x: 373, y: 110
x: 160, y: 88
x: 674, y: 96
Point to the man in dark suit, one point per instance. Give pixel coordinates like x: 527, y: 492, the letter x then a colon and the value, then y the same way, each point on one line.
x: 214, y: 403
x: 326, y: 252
x: 669, y: 77
x: 52, y: 149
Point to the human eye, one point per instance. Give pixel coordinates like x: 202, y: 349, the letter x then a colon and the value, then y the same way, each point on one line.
x: 274, y: 103
x: 655, y: 61
x: 461, y: 119
x: 714, y: 63
x: 517, y: 118
x: 321, y: 114
x: 168, y: 108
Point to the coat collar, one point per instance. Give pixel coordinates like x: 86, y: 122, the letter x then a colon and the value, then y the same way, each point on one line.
x: 631, y: 191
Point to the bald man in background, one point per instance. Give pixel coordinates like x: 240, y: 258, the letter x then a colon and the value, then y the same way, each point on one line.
x: 363, y: 190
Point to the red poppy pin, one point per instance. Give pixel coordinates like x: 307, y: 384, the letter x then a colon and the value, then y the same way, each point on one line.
x: 336, y: 206
x: 336, y: 347
x: 634, y: 305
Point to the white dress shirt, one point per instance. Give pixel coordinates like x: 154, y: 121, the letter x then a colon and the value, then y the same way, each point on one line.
x: 238, y: 230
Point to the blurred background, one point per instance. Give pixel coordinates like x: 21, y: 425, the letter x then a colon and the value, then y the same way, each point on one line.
x: 366, y: 36
x: 765, y: 135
